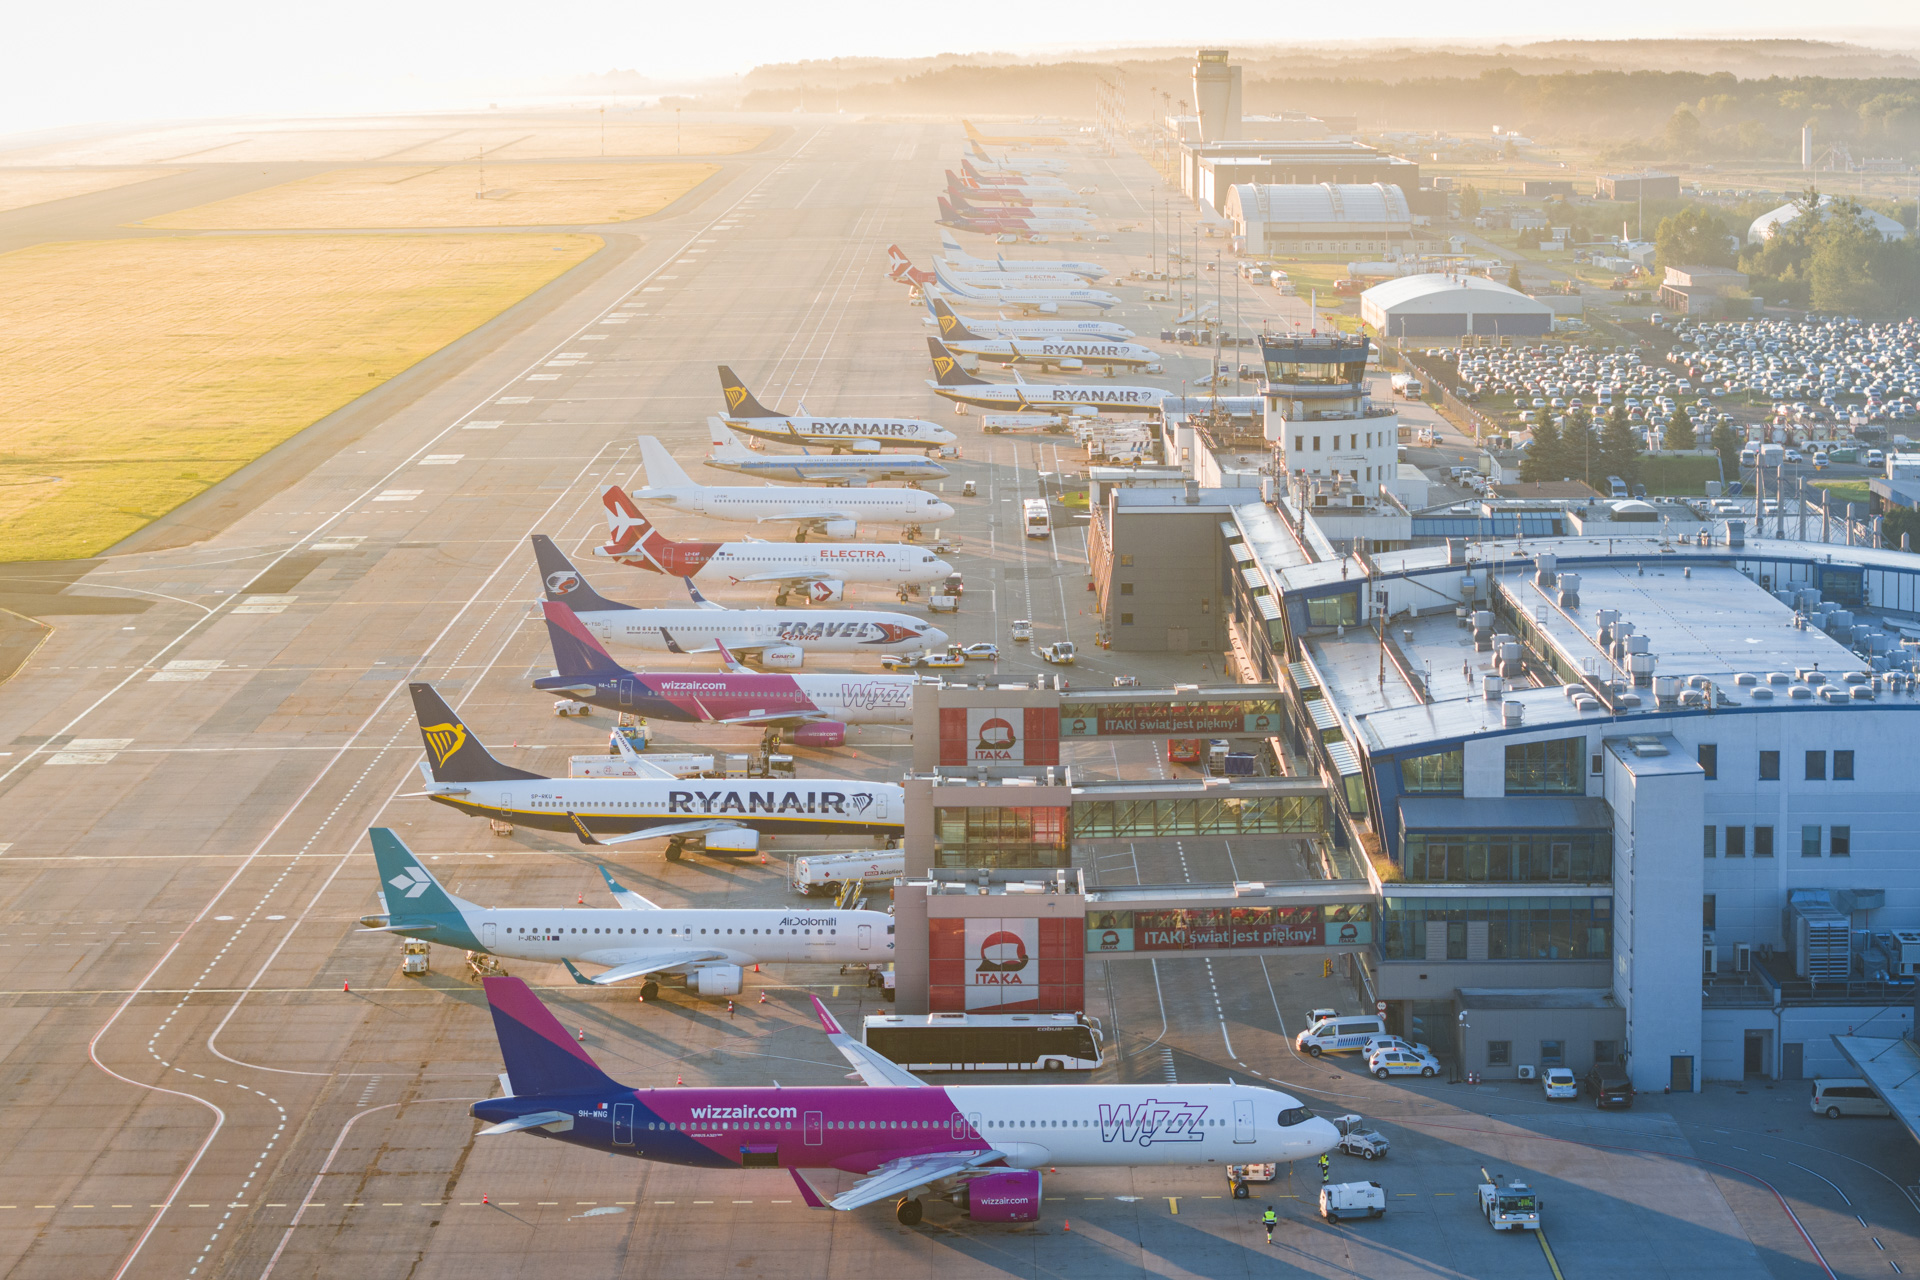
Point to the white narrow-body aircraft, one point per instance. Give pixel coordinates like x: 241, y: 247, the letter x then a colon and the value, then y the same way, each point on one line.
x: 1046, y: 301
x: 837, y: 515
x: 960, y: 260
x: 961, y: 387
x: 857, y: 468
x: 943, y: 317
x: 860, y: 435
x: 1066, y: 353
x: 901, y: 268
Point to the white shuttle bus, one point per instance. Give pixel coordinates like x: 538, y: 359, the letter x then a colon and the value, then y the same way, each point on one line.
x: 987, y: 1041
x: 1037, y: 522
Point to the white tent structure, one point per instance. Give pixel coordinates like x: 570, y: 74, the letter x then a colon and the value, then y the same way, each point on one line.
x: 1766, y: 224
x: 1439, y: 305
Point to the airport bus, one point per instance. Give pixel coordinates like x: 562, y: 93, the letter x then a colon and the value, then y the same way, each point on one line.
x: 987, y: 1041
x: 1038, y: 523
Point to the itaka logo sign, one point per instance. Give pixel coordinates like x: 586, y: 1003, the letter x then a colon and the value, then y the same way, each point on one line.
x: 994, y: 734
x: 1001, y: 963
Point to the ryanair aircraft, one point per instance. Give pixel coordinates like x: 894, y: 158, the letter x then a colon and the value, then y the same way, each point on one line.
x: 961, y: 387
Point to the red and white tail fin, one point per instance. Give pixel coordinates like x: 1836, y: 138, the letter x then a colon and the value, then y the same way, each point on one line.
x: 629, y: 533
x: 903, y: 269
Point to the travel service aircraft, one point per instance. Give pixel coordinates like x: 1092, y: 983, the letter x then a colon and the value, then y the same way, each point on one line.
x: 836, y: 516
x: 731, y: 454
x: 821, y: 571
x: 967, y: 217
x: 980, y: 139
x: 956, y: 384
x: 1010, y: 200
x: 1024, y: 164
x: 1047, y: 300
x: 727, y: 816
x: 902, y: 269
x: 1039, y: 183
x: 960, y: 260
x: 864, y: 435
x: 1048, y: 353
x: 980, y: 1147
x: 709, y: 947
x: 777, y: 637
x: 944, y: 317
x: 815, y: 709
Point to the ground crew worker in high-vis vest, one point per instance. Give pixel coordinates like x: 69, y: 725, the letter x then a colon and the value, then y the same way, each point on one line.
x: 1326, y: 1175
x: 1269, y: 1220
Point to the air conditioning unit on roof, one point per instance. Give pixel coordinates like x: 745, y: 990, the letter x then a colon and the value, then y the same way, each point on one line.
x: 1526, y: 1072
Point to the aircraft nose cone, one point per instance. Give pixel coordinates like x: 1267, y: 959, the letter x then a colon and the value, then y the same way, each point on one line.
x: 935, y: 637
x: 942, y: 511
x: 941, y: 569
x: 1320, y: 1135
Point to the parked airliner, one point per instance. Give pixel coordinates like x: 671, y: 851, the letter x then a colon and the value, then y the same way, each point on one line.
x: 1025, y: 164
x: 779, y: 638
x: 814, y: 709
x: 944, y: 317
x: 980, y: 1147
x: 707, y: 947
x: 971, y: 218
x: 901, y: 268
x: 959, y: 259
x: 1048, y: 353
x: 822, y: 571
x: 956, y: 384
x: 862, y: 435
x: 730, y: 453
x: 837, y: 515
x: 1042, y: 299
x: 728, y: 817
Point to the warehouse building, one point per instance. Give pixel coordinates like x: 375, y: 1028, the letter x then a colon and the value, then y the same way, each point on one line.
x: 1446, y: 306
x: 1210, y: 172
x: 1297, y: 219
x: 1637, y: 186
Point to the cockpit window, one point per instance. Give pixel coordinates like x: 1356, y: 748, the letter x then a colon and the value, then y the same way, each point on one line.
x: 1294, y: 1115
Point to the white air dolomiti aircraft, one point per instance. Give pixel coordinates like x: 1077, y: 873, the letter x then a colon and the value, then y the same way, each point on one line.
x: 779, y: 638
x: 858, y: 435
x: 638, y: 939
x: 961, y: 387
x: 822, y: 571
x: 961, y: 260
x: 837, y: 515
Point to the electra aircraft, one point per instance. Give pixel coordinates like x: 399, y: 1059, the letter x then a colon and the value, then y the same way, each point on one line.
x: 1048, y: 353
x: 814, y: 710
x: 730, y: 454
x: 1045, y: 300
x: 980, y: 1147
x: 961, y: 387
x: 960, y: 260
x: 837, y: 516
x: 862, y: 435
x: 727, y: 816
x: 779, y: 638
x: 942, y: 316
x: 708, y: 947
x: 821, y: 570
x: 990, y: 223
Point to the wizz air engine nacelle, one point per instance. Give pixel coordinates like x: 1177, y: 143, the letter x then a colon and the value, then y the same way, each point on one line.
x: 1004, y: 1197
x: 841, y: 530
x: 821, y: 733
x: 783, y: 657
x: 724, y: 980
x: 826, y: 591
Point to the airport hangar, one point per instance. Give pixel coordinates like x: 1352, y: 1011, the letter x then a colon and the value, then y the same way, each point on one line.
x: 1439, y: 305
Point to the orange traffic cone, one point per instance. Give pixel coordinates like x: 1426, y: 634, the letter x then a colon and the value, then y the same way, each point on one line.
x: 763, y: 997
x: 582, y: 1036
x: 676, y: 1079
x: 345, y: 987
x: 485, y: 1200
x: 756, y: 969
x: 581, y: 899
x: 1069, y: 1222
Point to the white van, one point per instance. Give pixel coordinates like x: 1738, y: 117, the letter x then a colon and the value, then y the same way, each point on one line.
x: 1340, y: 1035
x: 1352, y: 1200
x: 1843, y: 1097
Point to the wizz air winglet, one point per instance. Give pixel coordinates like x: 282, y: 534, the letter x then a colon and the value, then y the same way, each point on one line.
x: 979, y: 1148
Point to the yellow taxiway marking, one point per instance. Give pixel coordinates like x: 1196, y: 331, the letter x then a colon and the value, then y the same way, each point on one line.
x: 1547, y: 1249
x: 1173, y: 1203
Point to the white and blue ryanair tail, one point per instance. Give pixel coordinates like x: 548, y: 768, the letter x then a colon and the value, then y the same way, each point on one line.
x: 636, y: 939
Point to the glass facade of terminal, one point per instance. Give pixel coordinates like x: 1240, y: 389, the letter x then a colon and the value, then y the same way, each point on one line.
x: 1496, y: 928
x: 1223, y: 814
x: 1510, y: 857
x: 1001, y: 836
x: 1228, y: 928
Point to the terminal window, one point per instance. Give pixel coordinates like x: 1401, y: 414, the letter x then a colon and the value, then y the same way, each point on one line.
x: 1843, y: 766
x: 1553, y: 1053
x: 1126, y: 619
x: 1709, y: 757
x: 1769, y: 766
x: 1126, y: 588
x: 1763, y: 842
x: 1840, y: 842
x: 1441, y: 773
x: 1816, y: 766
x: 1709, y: 911
x: 1809, y: 842
x: 1547, y: 768
x: 1606, y: 1052
x: 1736, y: 842
x: 1710, y: 845
x: 1499, y: 1053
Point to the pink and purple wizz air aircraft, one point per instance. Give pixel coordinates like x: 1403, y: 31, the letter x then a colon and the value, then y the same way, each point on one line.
x: 981, y: 1147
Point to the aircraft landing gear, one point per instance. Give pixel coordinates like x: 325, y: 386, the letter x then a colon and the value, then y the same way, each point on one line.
x: 800, y: 536
x: 908, y: 1211
x: 649, y: 991
x: 674, y: 849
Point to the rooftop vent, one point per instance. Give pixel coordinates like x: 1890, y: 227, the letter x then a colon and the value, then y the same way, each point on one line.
x: 1511, y: 714
x: 1762, y: 694
x: 1800, y: 693
x: 1646, y: 746
x: 1746, y: 678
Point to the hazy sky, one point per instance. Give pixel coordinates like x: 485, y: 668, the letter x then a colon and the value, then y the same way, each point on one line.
x: 71, y: 63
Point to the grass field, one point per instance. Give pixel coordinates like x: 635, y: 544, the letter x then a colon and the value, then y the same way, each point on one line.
x: 22, y: 187
x: 572, y: 136
x: 1844, y: 490
x: 521, y: 195
x: 136, y: 373
x: 1677, y: 476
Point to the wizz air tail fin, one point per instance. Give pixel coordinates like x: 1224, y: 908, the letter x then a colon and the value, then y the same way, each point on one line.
x: 562, y: 582
x: 540, y: 1057
x: 952, y: 327
x: 575, y: 652
x: 410, y: 890
x: 725, y: 444
x: 740, y: 401
x: 946, y: 367
x: 453, y: 753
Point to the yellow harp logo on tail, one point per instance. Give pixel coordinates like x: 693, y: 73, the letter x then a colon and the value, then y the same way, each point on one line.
x: 942, y: 365
x: 444, y: 740
x: 948, y: 323
x: 736, y: 396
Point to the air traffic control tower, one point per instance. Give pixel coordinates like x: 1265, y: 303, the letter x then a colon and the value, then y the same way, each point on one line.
x: 1216, y: 96
x: 1325, y: 430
